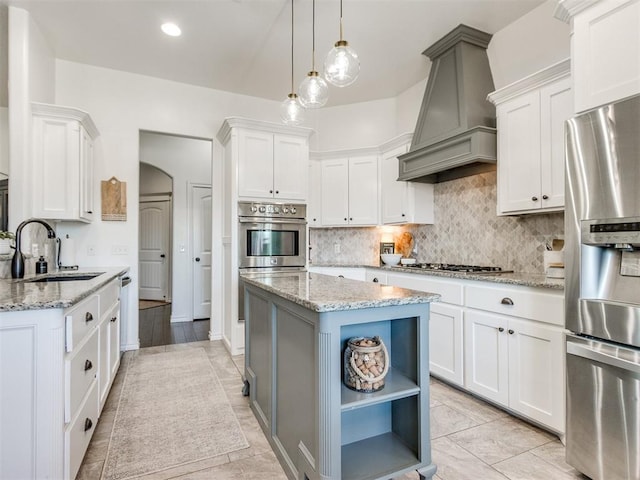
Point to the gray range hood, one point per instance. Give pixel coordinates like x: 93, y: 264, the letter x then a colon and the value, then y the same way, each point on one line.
x: 455, y: 135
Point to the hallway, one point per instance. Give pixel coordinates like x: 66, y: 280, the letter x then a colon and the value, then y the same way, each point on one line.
x: 156, y: 329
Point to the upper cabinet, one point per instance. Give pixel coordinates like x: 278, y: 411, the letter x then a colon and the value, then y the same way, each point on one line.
x: 402, y: 202
x: 530, y: 117
x: 314, y: 219
x: 63, y: 176
x: 605, y: 46
x: 272, y: 160
x: 349, y: 192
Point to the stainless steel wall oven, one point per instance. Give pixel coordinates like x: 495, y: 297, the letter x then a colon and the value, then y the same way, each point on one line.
x: 602, y: 291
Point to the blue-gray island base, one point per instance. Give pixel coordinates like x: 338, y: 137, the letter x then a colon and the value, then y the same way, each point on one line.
x: 297, y: 325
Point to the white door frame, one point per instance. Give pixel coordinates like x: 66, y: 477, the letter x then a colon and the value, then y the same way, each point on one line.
x: 191, y: 187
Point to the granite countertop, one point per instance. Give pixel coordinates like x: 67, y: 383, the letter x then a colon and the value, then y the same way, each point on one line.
x: 523, y: 279
x: 325, y: 293
x: 20, y: 294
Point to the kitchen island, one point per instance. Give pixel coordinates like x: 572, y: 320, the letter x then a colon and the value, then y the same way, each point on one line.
x: 297, y: 325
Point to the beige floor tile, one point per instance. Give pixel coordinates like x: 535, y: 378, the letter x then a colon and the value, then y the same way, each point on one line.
x: 554, y: 453
x: 528, y: 466
x: 90, y: 471
x: 445, y: 421
x: 456, y: 463
x: 472, y: 407
x: 501, y: 439
x: 187, y: 469
x: 260, y: 466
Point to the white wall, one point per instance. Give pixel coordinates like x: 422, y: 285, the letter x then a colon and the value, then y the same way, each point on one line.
x: 187, y: 161
x: 531, y: 43
x: 121, y: 105
x: 154, y: 181
x: 4, y: 142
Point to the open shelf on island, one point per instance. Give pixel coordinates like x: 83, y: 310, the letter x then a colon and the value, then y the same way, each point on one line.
x: 396, y: 386
x: 375, y: 457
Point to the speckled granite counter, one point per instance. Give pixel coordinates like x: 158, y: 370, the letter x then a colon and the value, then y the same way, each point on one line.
x: 21, y: 294
x: 524, y: 279
x: 324, y: 293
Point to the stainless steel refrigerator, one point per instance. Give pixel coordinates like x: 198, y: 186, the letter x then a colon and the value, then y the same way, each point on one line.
x: 602, y: 291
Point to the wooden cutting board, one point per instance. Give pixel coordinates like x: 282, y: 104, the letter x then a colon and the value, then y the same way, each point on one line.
x: 404, y: 244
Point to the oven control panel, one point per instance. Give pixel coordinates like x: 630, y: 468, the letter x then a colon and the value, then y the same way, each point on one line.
x: 272, y: 210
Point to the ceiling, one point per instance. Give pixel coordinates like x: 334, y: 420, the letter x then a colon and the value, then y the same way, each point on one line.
x: 244, y: 46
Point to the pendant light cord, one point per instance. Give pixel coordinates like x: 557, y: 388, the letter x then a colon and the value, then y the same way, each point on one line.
x: 313, y: 37
x: 340, y: 20
x: 292, y: 88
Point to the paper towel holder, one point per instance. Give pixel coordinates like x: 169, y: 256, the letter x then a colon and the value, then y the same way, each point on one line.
x: 60, y: 266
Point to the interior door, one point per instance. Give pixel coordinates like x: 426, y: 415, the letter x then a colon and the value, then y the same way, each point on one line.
x: 154, y: 255
x: 201, y: 248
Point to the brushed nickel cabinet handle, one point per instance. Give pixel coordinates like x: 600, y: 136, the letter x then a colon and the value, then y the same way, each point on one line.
x: 545, y: 197
x: 535, y: 199
x: 375, y: 280
x: 88, y: 317
x: 511, y: 332
x: 88, y: 365
x: 501, y: 329
x: 87, y: 424
x: 113, y: 319
x: 506, y: 301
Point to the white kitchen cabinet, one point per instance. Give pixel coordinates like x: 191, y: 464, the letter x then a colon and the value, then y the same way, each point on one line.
x: 109, y: 335
x: 350, y: 191
x: 62, y: 163
x: 272, y: 165
x: 530, y: 117
x: 514, y: 361
x: 402, y: 202
x: 314, y: 205
x: 605, y: 50
x: 353, y: 273
x: 51, y: 369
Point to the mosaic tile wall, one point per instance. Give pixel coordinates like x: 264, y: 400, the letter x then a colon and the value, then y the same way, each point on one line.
x: 466, y: 231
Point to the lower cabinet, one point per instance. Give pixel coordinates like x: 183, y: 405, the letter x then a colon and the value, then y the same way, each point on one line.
x: 446, y: 342
x: 56, y: 367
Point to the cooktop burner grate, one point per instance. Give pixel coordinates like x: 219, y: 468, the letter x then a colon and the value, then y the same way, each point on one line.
x: 449, y: 267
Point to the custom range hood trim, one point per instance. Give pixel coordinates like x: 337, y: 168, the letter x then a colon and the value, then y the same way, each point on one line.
x: 455, y: 134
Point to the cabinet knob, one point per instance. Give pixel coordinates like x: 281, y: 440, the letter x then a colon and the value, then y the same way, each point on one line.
x: 90, y: 212
x: 277, y: 192
x: 340, y: 276
x: 511, y: 332
x: 113, y: 319
x: 88, y: 317
x: 501, y: 329
x: 270, y: 191
x: 345, y: 219
x: 403, y: 215
x: 314, y: 219
x: 162, y: 255
x: 375, y: 280
x: 88, y: 365
x: 197, y: 259
x: 87, y: 424
x: 351, y: 219
x: 535, y: 199
x: 545, y: 197
x: 506, y: 301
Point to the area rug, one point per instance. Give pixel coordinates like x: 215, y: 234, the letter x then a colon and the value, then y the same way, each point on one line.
x: 172, y: 411
x: 144, y: 304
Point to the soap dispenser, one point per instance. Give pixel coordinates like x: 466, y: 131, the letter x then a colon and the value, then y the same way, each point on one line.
x: 41, y: 265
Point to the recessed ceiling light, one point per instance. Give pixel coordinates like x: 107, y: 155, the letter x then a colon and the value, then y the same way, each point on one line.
x: 171, y: 29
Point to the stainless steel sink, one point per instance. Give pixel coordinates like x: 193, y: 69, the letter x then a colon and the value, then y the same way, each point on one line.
x: 64, y: 278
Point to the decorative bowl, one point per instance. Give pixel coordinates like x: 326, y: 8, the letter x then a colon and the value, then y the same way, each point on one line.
x: 391, y: 258
x: 408, y: 261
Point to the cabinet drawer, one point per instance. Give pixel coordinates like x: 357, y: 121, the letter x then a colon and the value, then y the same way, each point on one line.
x: 80, y: 371
x: 109, y: 296
x: 450, y: 292
x: 79, y: 433
x: 80, y: 320
x: 532, y: 304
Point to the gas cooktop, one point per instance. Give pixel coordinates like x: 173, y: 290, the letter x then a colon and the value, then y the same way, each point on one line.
x: 448, y: 267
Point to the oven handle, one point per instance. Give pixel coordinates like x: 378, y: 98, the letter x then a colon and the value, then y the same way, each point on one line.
x: 604, y: 354
x: 259, y: 220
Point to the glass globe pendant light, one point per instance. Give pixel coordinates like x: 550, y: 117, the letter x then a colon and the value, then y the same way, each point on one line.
x: 291, y: 112
x: 342, y: 66
x: 314, y: 91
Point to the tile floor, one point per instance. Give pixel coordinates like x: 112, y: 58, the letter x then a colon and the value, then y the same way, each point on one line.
x: 470, y: 439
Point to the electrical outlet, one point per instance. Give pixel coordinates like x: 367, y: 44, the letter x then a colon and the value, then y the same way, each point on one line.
x: 119, y: 250
x: 336, y: 248
x: 91, y: 250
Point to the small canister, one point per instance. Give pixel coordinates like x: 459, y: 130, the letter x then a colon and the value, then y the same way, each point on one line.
x: 366, y: 363
x: 41, y: 265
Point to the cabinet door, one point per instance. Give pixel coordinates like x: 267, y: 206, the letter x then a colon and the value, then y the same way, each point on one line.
x: 556, y: 106
x: 335, y: 192
x: 486, y: 368
x: 363, y: 190
x: 536, y: 372
x: 103, y: 361
x: 290, y: 167
x: 519, y: 153
x: 314, y: 206
x: 56, y: 168
x: 114, y: 341
x: 255, y: 164
x: 606, y: 53
x: 393, y: 192
x: 86, y: 176
x: 446, y: 342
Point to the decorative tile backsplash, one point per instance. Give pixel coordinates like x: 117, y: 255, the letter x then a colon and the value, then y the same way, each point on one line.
x: 466, y: 231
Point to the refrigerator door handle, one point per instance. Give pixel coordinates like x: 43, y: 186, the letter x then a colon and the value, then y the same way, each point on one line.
x: 604, y: 354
